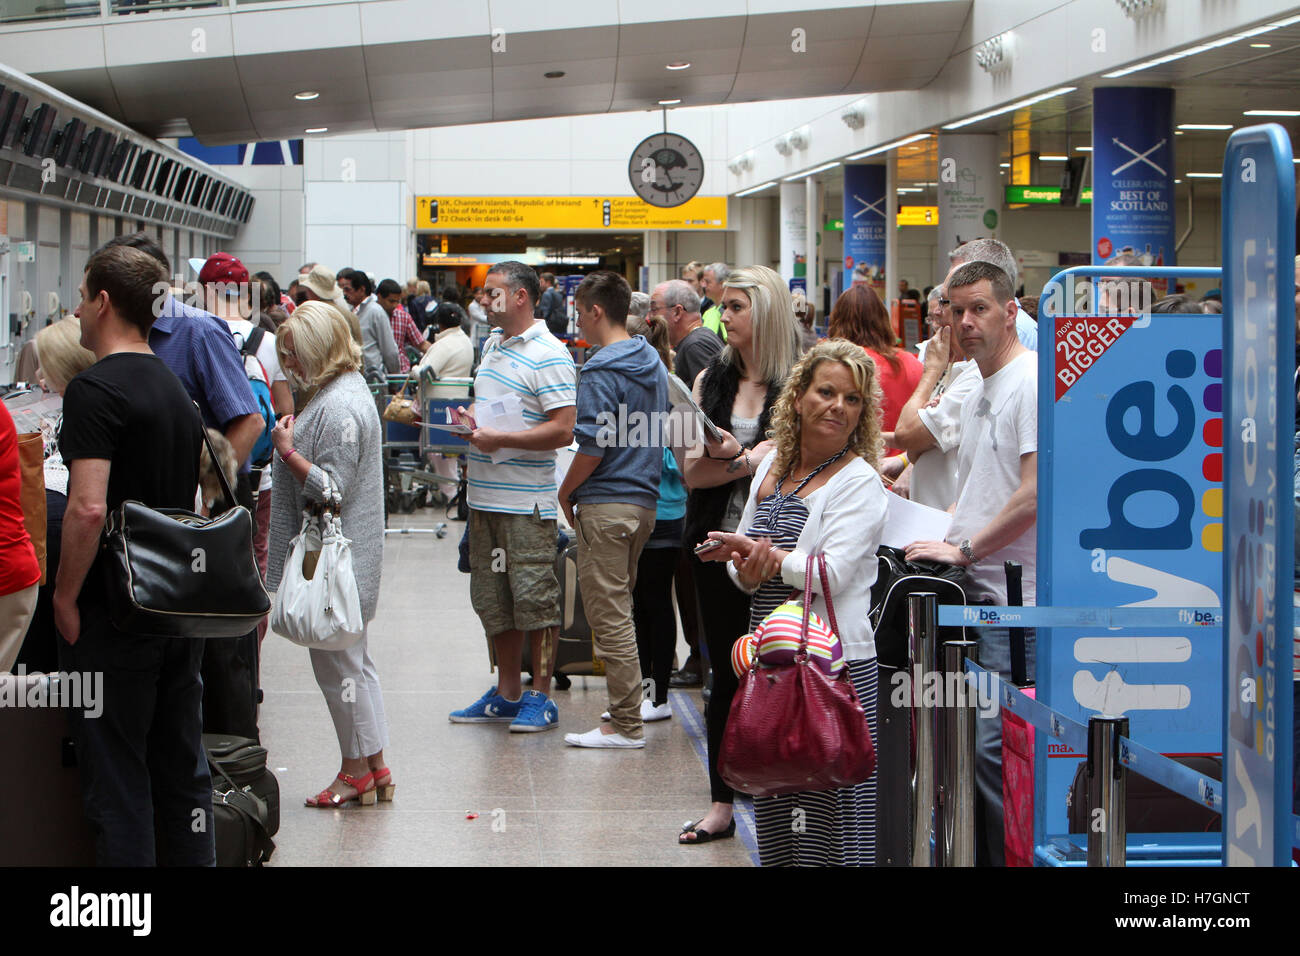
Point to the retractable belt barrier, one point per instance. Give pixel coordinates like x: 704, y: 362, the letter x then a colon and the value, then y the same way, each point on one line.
x: 1104, y: 738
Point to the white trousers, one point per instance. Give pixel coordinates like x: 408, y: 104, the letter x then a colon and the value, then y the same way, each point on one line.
x: 351, y: 688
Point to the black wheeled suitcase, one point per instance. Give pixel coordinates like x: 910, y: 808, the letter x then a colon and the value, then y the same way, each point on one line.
x: 575, y: 657
x: 41, y: 821
x: 245, y: 800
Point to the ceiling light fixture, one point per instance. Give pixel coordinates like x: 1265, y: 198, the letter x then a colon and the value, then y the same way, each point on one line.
x: 679, y: 65
x: 1205, y: 126
x: 1191, y: 51
x: 1005, y: 165
x: 815, y: 169
x: 1205, y: 175
x: 1059, y: 91
x: 669, y: 102
x: 910, y: 189
x: 306, y: 95
x: 1271, y: 113
x: 1083, y: 149
x: 317, y: 129
x: 887, y: 147
x: 1261, y: 46
x: 756, y: 189
x: 1053, y: 159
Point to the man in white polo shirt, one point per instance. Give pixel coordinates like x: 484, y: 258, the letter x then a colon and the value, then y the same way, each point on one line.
x: 512, y: 519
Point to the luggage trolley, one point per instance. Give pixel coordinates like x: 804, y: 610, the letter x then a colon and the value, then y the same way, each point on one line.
x: 410, y: 481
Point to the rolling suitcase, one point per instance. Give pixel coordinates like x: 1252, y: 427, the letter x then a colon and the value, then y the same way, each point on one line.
x: 1149, y: 807
x: 245, y: 800
x: 41, y: 822
x: 575, y: 656
x: 1017, y: 747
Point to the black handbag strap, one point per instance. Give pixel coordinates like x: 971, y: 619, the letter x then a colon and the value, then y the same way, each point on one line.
x: 216, y: 462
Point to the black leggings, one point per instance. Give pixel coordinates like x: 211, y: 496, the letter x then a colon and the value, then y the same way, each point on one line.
x: 724, y: 617
x: 652, y: 611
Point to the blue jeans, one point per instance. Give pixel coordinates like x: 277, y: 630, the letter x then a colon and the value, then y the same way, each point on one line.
x: 144, y: 777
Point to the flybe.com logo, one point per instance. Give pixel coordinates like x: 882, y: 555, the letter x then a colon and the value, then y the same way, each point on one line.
x: 1199, y: 618
x: 983, y: 615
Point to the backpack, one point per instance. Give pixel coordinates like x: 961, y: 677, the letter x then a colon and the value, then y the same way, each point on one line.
x: 260, y: 383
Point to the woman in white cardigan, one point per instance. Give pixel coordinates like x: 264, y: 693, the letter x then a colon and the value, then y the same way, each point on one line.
x: 819, y: 492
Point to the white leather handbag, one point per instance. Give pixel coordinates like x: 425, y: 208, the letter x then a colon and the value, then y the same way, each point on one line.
x: 317, y: 604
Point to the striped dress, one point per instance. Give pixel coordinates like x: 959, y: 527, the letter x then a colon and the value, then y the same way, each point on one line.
x: 816, y: 828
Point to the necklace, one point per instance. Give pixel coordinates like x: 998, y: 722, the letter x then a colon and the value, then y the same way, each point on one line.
x: 782, y: 499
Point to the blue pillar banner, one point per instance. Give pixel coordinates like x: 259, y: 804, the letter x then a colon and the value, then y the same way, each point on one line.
x: 1133, y: 174
x: 1258, y: 557
x: 1131, y: 429
x: 864, y: 223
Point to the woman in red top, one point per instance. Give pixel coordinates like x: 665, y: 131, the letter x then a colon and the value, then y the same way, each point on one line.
x: 860, y: 317
x: 19, y: 571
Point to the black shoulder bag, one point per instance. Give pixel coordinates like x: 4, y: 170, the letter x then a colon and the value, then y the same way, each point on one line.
x: 172, y: 573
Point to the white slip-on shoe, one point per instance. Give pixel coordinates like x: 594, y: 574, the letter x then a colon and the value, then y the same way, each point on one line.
x: 595, y: 739
x: 651, y: 713
x: 606, y: 717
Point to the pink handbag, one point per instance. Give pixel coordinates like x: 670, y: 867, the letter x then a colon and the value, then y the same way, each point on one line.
x: 791, y: 728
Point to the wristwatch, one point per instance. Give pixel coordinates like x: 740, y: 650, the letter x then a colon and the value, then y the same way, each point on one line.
x: 967, y: 550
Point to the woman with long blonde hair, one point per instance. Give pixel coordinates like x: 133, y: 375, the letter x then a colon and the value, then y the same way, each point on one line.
x: 818, y: 493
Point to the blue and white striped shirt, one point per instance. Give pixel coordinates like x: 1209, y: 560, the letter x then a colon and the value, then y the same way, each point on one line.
x: 537, y: 367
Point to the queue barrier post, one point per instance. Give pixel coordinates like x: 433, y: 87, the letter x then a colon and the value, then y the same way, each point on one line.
x: 1107, y: 789
x: 922, y: 633
x: 955, y: 797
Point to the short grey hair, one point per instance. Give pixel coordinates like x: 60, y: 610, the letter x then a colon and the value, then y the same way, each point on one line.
x: 518, y: 276
x: 935, y: 293
x: 978, y: 270
x: 988, y: 250
x: 640, y: 305
x: 720, y: 271
x: 679, y: 292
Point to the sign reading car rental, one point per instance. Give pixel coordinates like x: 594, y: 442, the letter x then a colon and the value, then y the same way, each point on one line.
x: 1258, y: 560
x: 538, y: 213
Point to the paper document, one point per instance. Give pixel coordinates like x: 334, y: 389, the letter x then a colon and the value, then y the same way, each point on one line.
x: 680, y: 397
x: 505, y: 414
x: 906, y: 521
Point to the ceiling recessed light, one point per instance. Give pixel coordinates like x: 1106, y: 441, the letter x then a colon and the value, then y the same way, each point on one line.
x: 317, y: 129
x: 669, y: 102
x: 1205, y: 175
x: 1005, y: 165
x: 1261, y: 46
x: 306, y: 95
x: 679, y: 65
x: 1271, y: 113
x: 1053, y: 159
x: 1083, y: 149
x: 553, y: 74
x: 1205, y: 126
x: 888, y: 146
x: 1178, y: 132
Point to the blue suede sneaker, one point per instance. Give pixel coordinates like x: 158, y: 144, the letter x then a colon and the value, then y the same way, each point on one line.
x: 491, y: 708
x: 537, y: 712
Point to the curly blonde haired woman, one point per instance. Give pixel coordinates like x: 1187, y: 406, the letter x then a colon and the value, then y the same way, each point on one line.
x: 818, y: 492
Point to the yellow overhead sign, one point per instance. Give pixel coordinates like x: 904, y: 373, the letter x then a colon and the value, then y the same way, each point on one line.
x: 918, y: 215
x: 548, y: 213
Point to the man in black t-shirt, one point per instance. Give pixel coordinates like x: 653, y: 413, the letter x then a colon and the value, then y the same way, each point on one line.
x: 695, y: 346
x: 130, y: 432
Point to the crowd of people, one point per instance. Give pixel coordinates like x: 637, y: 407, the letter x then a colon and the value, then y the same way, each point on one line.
x: 812, y: 437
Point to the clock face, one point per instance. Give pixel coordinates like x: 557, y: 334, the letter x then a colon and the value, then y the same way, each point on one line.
x: 666, y: 169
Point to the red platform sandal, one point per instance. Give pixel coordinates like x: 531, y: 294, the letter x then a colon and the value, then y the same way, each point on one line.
x: 384, y: 785
x: 365, y: 794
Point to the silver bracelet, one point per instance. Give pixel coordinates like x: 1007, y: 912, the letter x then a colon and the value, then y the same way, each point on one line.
x: 749, y: 464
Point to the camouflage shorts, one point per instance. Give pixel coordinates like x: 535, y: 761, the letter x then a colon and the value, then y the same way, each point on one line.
x: 512, y: 583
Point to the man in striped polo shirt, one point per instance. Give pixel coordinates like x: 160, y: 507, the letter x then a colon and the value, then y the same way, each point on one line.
x: 512, y: 519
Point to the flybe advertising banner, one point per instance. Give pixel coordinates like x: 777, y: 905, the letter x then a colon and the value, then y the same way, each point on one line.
x: 1131, y: 472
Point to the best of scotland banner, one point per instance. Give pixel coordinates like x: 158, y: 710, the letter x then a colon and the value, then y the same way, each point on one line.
x: 1130, y: 471
x: 1133, y: 174
x: 864, y: 220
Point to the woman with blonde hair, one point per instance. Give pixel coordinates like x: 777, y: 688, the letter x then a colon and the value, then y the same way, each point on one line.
x: 818, y: 493
x: 736, y: 391
x: 336, y: 437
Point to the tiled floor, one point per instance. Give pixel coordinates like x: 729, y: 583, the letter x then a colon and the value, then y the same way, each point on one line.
x: 537, y: 801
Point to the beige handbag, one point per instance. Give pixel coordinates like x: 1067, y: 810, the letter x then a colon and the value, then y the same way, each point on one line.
x: 401, y: 408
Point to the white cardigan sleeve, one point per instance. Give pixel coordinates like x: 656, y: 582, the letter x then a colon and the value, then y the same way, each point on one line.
x: 848, y: 533
x: 747, y: 516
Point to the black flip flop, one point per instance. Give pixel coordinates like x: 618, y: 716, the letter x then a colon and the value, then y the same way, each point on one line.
x: 704, y: 836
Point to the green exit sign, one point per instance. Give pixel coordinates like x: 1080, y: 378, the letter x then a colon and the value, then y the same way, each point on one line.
x: 1040, y: 195
x: 833, y: 225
